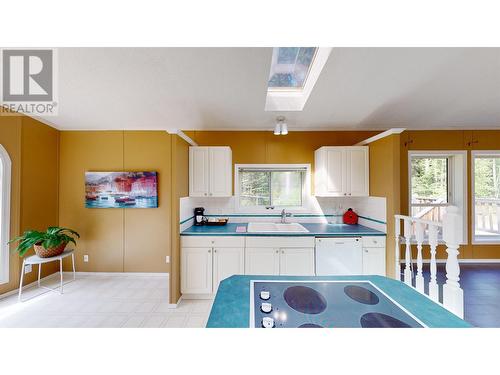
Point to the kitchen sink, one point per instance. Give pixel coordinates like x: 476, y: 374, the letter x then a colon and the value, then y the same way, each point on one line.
x: 276, y: 228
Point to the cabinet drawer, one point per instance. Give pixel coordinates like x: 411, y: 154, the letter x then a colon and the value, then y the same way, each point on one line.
x: 212, y: 241
x: 279, y: 242
x: 378, y: 241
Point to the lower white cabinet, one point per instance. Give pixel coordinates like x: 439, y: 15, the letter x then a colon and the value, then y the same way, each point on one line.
x: 206, y: 261
x: 279, y: 256
x: 374, y: 261
x: 227, y: 262
x: 297, y: 261
x: 196, y: 270
x: 262, y: 261
x: 374, y: 256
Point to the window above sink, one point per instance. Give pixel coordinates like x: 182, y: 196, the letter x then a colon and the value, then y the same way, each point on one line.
x: 271, y: 187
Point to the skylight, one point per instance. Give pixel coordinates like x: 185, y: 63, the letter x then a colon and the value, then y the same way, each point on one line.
x: 290, y: 67
x: 294, y: 72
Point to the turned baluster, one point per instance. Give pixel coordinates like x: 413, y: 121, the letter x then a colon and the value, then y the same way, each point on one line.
x: 498, y: 216
x: 419, y: 235
x: 397, y: 232
x: 407, y: 235
x: 433, y: 241
x: 453, y: 295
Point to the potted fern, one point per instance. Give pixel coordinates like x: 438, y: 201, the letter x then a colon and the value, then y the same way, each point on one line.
x: 47, y: 244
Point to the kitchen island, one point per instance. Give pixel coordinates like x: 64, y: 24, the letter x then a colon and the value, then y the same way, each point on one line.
x: 232, y: 307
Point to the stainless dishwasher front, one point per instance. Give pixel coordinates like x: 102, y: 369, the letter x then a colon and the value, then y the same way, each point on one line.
x: 339, y: 256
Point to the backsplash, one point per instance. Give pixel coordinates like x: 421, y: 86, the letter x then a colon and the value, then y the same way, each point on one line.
x: 371, y: 211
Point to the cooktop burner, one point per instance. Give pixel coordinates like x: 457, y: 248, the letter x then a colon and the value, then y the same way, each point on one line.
x: 324, y: 304
x: 361, y: 294
x: 379, y: 320
x: 310, y: 325
x: 304, y: 299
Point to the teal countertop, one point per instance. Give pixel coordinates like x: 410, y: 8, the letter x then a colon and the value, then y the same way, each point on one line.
x: 231, y: 308
x: 315, y: 230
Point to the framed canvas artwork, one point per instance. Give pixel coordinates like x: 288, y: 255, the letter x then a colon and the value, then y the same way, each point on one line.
x: 121, y: 190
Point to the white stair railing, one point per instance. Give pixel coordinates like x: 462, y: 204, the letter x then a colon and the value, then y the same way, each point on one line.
x: 424, y: 232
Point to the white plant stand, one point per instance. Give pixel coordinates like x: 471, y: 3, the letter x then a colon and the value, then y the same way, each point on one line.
x: 35, y: 259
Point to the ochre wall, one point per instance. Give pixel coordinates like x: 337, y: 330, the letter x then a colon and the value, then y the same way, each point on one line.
x: 468, y: 140
x: 116, y: 240
x: 180, y: 188
x: 33, y: 149
x: 385, y: 182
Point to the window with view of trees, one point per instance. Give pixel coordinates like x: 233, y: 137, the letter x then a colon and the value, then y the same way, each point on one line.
x: 430, y: 186
x: 271, y: 187
x: 486, y: 196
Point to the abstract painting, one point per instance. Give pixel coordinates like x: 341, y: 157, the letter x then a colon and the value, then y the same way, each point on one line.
x: 121, y: 190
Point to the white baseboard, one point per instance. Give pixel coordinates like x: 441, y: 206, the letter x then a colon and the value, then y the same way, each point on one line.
x: 469, y: 261
x: 174, y: 305
x: 154, y: 274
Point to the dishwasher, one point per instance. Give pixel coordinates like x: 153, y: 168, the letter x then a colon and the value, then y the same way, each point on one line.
x: 339, y: 256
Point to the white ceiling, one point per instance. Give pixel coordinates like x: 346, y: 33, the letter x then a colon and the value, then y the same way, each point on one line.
x: 225, y: 88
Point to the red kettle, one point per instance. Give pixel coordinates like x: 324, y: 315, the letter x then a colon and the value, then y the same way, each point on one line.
x: 350, y: 217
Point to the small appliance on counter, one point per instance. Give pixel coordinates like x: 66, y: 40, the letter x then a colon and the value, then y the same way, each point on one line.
x: 350, y: 217
x: 216, y: 220
x: 199, y: 219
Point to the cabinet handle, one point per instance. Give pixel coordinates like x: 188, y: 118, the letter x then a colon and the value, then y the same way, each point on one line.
x: 205, y: 194
x: 277, y: 251
x: 349, y: 193
x: 210, y: 194
x: 215, y: 251
x: 209, y: 251
x: 345, y: 193
x: 282, y: 251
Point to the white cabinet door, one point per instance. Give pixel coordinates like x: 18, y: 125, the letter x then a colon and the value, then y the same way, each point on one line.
x: 335, y: 172
x: 221, y: 175
x: 297, y: 261
x: 357, y: 171
x: 341, y: 171
x: 196, y: 270
x: 199, y: 171
x: 374, y: 261
x: 227, y: 262
x: 262, y: 261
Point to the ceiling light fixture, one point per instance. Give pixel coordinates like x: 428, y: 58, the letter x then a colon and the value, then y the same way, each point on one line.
x: 281, y: 127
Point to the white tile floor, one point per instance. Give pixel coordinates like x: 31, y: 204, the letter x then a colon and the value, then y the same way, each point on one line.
x: 103, y: 301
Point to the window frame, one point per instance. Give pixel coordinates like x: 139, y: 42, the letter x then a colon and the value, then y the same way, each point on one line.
x: 483, y: 240
x: 5, y: 181
x: 306, y: 187
x: 457, y: 167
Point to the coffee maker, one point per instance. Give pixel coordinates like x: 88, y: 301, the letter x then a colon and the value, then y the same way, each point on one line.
x: 199, y: 219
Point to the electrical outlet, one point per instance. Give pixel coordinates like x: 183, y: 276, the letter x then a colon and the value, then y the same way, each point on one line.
x: 85, y: 258
x: 27, y: 268
x: 167, y: 259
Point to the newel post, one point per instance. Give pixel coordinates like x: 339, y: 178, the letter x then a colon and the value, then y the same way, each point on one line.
x: 453, y: 295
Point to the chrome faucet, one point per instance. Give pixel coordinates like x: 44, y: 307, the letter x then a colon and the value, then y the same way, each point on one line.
x: 284, y: 215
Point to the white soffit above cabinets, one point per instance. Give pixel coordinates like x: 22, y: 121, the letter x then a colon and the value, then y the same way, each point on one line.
x: 294, y: 97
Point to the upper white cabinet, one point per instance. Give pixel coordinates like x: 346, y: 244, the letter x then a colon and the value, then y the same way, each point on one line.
x: 341, y: 171
x: 210, y: 171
